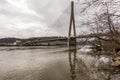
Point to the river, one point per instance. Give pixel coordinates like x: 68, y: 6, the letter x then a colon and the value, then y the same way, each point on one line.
x: 53, y: 63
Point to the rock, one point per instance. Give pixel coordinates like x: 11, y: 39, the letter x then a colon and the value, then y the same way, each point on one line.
x: 116, y: 61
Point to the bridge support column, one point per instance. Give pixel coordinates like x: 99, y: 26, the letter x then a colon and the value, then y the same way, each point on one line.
x: 72, y: 39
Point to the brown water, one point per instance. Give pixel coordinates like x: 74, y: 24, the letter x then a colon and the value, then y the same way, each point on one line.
x: 53, y: 63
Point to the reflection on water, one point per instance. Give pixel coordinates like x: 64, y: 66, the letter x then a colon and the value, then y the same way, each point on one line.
x: 87, y: 67
x: 72, y: 60
x: 35, y: 63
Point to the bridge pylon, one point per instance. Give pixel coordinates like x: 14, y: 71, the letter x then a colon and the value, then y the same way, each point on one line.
x: 72, y: 38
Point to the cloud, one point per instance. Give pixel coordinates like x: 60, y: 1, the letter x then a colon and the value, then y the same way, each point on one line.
x: 29, y: 18
x: 34, y: 18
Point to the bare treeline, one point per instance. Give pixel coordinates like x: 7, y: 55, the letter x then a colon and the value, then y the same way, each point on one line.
x: 104, y: 18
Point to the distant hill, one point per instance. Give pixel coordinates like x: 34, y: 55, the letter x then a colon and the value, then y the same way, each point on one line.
x: 28, y: 41
x: 9, y: 40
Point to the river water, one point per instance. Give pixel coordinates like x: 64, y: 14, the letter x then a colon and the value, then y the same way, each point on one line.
x: 53, y: 63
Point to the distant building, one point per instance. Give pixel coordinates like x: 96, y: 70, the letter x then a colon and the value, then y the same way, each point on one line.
x: 17, y: 42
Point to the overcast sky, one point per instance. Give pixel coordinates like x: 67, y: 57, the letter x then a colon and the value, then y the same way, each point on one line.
x: 29, y: 18
x: 36, y: 18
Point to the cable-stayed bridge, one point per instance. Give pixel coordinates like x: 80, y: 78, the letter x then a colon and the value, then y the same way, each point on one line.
x: 72, y: 37
x: 61, y: 40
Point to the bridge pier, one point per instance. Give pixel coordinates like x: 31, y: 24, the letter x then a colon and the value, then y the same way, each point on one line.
x: 72, y: 41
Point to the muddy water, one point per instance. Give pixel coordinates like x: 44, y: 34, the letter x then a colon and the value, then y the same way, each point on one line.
x: 53, y: 63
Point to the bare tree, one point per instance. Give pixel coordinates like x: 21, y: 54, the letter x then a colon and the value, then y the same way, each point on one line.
x: 105, y: 20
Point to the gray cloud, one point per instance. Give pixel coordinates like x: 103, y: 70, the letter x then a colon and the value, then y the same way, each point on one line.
x: 29, y: 18
x: 34, y: 18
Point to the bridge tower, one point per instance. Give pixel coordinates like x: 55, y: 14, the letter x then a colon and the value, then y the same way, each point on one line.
x: 72, y: 38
